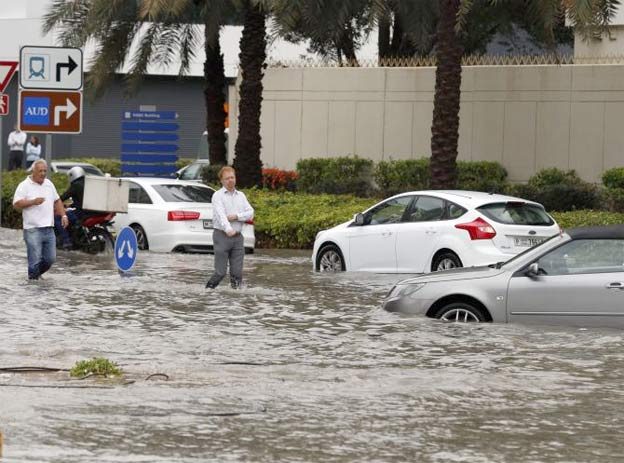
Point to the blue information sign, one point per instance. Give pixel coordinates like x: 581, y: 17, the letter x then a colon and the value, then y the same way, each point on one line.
x: 126, y: 249
x: 149, y: 143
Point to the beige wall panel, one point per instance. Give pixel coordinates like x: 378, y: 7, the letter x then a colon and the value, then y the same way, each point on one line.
x: 464, y: 149
x: 487, y: 81
x: 343, y: 96
x: 553, y: 135
x: 421, y: 141
x: 282, y: 96
x: 314, y: 129
x: 555, y: 78
x: 369, y: 130
x: 344, y: 79
x: 267, y: 132
x: 410, y: 79
x: 287, y: 134
x: 587, y: 139
x: 341, y: 128
x: 487, y: 133
x: 283, y: 79
x: 519, y: 140
x: 597, y: 77
x: 614, y: 135
x: 398, y: 131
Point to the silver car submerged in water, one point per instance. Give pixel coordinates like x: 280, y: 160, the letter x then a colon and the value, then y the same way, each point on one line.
x: 574, y: 278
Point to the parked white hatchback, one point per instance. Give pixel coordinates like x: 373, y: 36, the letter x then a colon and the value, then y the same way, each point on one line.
x: 432, y: 230
x: 171, y: 215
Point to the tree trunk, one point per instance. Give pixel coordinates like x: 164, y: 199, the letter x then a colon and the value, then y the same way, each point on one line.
x: 252, y: 56
x: 445, y: 128
x: 214, y: 94
x: 383, y: 39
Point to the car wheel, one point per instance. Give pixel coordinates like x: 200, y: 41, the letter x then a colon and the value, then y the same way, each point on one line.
x: 141, y: 237
x: 330, y: 259
x: 462, y: 312
x: 445, y: 261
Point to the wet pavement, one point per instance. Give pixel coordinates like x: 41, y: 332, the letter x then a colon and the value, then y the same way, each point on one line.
x: 296, y: 367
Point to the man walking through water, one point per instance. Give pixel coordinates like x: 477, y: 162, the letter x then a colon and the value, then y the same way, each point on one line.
x: 230, y: 210
x: 38, y: 200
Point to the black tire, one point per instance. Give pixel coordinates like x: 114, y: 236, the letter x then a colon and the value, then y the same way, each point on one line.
x: 141, y: 237
x: 445, y: 260
x: 462, y: 312
x: 330, y: 259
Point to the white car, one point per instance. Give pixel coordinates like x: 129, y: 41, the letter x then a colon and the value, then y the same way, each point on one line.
x: 424, y: 231
x: 193, y: 171
x: 170, y: 215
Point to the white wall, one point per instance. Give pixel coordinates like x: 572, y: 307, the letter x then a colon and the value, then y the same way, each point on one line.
x: 525, y: 117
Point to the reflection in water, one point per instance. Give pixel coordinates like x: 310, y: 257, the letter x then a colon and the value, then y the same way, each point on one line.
x: 330, y: 377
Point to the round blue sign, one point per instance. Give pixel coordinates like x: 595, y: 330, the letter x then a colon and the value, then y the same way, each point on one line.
x: 126, y: 249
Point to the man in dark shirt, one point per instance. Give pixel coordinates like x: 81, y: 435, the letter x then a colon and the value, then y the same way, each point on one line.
x: 76, y: 193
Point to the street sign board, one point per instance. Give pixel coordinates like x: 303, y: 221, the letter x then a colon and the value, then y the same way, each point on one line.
x: 4, y: 105
x: 50, y: 112
x: 150, y: 115
x: 7, y: 69
x: 53, y: 68
x: 126, y: 249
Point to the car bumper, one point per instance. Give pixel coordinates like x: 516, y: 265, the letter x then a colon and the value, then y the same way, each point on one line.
x: 189, y: 241
x: 409, y: 305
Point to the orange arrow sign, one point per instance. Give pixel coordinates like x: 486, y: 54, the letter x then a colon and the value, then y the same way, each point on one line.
x: 7, y: 69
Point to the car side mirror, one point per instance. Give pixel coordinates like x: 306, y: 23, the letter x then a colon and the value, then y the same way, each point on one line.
x: 358, y: 219
x: 177, y: 174
x: 533, y: 270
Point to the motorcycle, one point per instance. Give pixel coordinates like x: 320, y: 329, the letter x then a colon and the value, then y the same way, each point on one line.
x: 90, y: 234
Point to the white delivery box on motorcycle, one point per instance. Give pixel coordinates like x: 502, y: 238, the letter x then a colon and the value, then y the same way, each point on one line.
x: 109, y: 194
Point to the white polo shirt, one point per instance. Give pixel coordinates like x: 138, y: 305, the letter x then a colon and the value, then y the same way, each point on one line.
x: 43, y: 214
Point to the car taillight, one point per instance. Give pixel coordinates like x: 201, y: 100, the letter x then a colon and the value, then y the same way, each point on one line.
x: 173, y: 216
x: 250, y: 221
x: 478, y: 229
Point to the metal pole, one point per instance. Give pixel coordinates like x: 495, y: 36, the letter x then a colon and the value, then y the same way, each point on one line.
x: 48, y: 152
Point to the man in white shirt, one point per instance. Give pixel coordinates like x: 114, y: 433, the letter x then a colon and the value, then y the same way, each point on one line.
x: 38, y: 200
x: 230, y: 210
x: 17, y: 140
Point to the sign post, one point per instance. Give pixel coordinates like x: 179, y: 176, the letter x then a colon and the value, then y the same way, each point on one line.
x: 126, y: 249
x: 50, y: 97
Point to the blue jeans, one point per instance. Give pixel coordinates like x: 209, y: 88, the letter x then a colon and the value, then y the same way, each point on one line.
x: 40, y: 249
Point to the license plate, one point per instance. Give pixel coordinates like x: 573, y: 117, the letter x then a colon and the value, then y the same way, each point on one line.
x: 208, y: 224
x: 527, y: 241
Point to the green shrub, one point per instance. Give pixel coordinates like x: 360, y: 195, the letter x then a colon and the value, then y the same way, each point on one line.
x: 292, y: 220
x: 613, y: 178
x: 613, y: 199
x: 344, y: 175
x: 210, y: 175
x: 393, y: 177
x: 587, y: 218
x: 95, y: 366
x: 487, y: 176
x: 12, y: 218
x: 558, y: 190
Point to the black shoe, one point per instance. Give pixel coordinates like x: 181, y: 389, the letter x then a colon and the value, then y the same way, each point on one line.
x: 210, y: 285
x: 236, y: 284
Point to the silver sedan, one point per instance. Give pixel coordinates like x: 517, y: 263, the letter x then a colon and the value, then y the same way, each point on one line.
x: 576, y: 278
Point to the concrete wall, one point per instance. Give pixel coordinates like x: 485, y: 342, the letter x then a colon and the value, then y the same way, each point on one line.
x: 525, y: 117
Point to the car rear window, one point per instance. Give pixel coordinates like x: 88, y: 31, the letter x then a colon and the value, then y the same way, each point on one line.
x: 184, y: 193
x: 516, y: 213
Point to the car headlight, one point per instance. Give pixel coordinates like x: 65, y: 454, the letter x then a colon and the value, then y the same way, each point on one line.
x: 405, y: 290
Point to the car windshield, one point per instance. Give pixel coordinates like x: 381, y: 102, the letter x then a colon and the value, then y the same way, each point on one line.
x: 184, y: 193
x: 516, y: 213
x: 91, y: 170
x: 518, y: 256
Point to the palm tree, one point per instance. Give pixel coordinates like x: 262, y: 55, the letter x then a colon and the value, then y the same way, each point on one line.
x: 588, y: 17
x: 165, y: 30
x: 252, y: 62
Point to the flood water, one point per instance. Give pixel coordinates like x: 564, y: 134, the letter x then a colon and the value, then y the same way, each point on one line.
x: 296, y: 367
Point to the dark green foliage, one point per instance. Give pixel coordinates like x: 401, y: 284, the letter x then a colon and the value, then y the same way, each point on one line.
x: 613, y: 199
x: 95, y: 366
x: 393, y: 177
x: 344, y: 175
x: 487, y: 176
x: 210, y: 175
x: 613, y: 178
x: 558, y: 190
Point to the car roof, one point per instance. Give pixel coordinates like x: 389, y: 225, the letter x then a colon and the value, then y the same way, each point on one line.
x: 469, y: 198
x: 615, y: 232
x: 69, y: 163
x: 162, y: 181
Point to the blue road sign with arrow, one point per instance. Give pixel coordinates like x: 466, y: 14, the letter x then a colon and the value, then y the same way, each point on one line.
x: 126, y: 249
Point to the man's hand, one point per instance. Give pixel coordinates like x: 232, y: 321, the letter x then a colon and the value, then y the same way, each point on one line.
x: 232, y: 217
x: 231, y: 233
x: 65, y: 221
x: 37, y: 201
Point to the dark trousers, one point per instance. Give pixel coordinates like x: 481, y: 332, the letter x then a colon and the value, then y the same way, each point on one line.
x: 16, y: 160
x: 227, y: 249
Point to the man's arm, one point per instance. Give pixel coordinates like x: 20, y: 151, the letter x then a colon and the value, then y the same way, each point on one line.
x: 26, y: 203
x: 248, y: 211
x: 59, y: 209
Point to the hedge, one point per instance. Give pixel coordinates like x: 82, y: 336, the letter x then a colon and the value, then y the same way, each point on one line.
x: 342, y: 175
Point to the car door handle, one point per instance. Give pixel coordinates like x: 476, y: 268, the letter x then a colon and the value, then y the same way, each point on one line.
x: 616, y: 285
x: 386, y: 234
